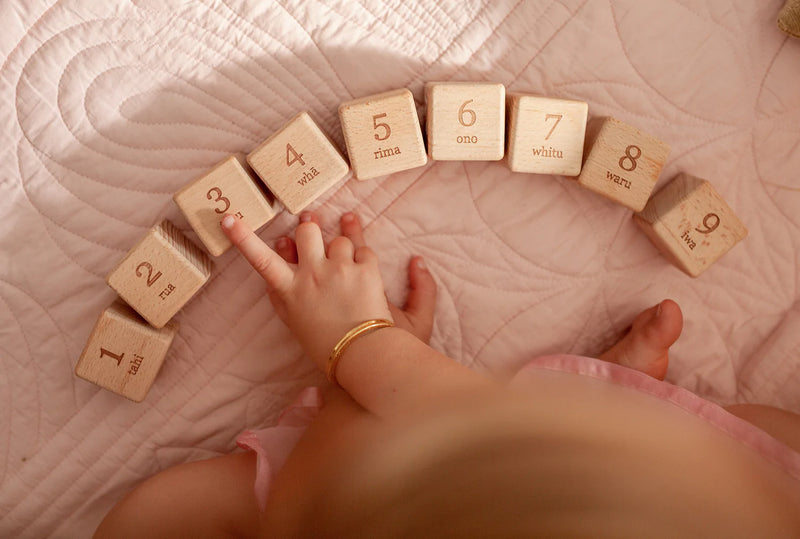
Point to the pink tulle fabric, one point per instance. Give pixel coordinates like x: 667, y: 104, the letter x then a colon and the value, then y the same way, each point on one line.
x: 274, y: 444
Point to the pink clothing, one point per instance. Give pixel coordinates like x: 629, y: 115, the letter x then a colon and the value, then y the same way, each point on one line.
x: 273, y: 445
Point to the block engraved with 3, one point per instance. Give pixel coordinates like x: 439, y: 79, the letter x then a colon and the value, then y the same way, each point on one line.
x: 623, y: 164
x: 690, y: 223
x: 546, y: 135
x: 383, y: 134
x: 229, y: 187
x: 160, y: 273
x: 465, y: 121
x: 298, y: 163
x: 124, y: 353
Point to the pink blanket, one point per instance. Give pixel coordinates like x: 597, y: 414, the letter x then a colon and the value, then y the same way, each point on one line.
x: 110, y: 107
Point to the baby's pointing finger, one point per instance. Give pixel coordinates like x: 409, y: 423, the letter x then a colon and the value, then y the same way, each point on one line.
x: 274, y: 269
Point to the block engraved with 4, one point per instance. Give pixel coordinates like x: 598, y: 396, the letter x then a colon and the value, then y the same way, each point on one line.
x: 298, y: 163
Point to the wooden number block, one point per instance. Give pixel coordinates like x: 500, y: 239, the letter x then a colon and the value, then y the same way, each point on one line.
x: 623, y: 164
x: 466, y: 121
x: 160, y: 273
x: 545, y: 135
x: 298, y: 163
x: 382, y: 134
x: 124, y: 353
x: 226, y: 188
x: 690, y: 223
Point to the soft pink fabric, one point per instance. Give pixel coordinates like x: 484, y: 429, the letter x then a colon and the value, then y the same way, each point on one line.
x: 273, y: 444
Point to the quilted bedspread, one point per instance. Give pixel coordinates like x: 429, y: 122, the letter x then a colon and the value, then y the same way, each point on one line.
x: 109, y: 107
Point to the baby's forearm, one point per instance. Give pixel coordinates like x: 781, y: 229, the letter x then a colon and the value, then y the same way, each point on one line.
x: 390, y: 372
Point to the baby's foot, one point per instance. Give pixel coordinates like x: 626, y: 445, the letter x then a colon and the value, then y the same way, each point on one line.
x: 646, y: 346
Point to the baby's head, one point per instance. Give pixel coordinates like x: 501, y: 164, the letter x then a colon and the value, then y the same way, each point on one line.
x: 506, y: 467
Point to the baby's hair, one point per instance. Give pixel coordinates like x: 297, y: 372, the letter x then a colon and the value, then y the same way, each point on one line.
x: 500, y: 472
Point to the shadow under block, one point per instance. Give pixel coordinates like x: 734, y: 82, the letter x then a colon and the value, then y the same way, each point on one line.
x: 226, y: 188
x: 160, y: 273
x: 298, y: 163
x: 124, y: 353
x: 546, y: 135
x: 465, y: 121
x: 690, y: 223
x: 623, y: 164
x: 382, y: 134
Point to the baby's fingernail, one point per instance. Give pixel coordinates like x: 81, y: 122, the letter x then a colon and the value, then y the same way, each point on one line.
x: 227, y: 221
x: 658, y: 310
x: 305, y: 217
x: 421, y: 264
x: 281, y: 243
x: 348, y: 217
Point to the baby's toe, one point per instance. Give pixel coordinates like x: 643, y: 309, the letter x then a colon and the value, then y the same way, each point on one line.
x: 646, y: 347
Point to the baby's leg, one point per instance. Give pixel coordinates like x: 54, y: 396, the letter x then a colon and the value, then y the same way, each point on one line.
x: 646, y: 349
x: 646, y: 346
x: 783, y: 425
x: 208, y: 498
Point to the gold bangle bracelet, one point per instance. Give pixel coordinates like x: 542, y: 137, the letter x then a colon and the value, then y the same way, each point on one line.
x: 361, y: 329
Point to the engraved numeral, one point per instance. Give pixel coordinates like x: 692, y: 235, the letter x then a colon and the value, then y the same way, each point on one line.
x: 219, y: 198
x: 709, y: 228
x: 629, y: 157
x: 557, y: 118
x: 151, y: 278
x: 118, y: 357
x: 293, y: 157
x: 385, y: 126
x: 462, y: 111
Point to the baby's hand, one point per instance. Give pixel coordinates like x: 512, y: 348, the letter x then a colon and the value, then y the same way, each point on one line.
x: 416, y: 316
x: 324, y: 295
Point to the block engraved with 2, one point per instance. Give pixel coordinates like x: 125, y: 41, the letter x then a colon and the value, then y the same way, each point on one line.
x: 151, y: 278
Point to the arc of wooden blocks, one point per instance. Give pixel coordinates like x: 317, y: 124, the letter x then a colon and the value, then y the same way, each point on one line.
x: 687, y: 220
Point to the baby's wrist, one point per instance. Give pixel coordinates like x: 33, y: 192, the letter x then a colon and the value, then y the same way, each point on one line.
x: 358, y: 332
